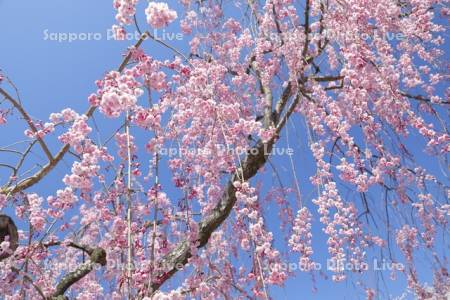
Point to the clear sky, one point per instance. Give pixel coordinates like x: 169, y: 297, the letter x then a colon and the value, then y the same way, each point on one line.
x: 53, y: 75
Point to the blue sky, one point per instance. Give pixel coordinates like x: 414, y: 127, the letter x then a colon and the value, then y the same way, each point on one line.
x: 52, y: 75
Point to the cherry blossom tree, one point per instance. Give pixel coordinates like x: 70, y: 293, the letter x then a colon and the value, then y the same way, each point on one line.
x: 361, y: 83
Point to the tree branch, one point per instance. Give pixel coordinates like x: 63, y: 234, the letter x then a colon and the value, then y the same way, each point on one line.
x: 97, y: 256
x: 255, y: 159
x: 28, y: 119
x: 86, y: 249
x: 421, y: 98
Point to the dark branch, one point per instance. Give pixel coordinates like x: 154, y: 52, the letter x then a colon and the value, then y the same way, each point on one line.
x: 254, y: 161
x: 97, y: 256
x: 421, y: 98
x: 29, y: 121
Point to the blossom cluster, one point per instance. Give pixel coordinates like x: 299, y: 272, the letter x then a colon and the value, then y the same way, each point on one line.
x: 159, y: 15
x: 300, y: 240
x: 360, y: 102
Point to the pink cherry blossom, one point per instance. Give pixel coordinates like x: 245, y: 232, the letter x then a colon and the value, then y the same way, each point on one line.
x: 170, y: 184
x: 159, y: 15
